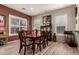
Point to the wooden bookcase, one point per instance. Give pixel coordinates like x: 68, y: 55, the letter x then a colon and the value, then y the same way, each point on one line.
x: 47, y: 26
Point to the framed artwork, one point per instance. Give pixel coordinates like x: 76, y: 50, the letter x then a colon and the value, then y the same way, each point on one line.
x: 44, y: 19
x: 2, y: 23
x: 47, y: 20
x: 2, y: 28
x: 2, y: 20
x: 76, y: 11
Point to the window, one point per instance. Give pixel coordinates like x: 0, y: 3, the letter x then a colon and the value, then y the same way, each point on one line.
x: 16, y: 24
x: 60, y: 29
x: 60, y: 24
x: 36, y: 24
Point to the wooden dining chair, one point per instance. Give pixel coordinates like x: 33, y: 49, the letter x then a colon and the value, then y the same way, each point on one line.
x: 44, y: 39
x: 70, y: 38
x: 24, y: 42
x: 46, y: 34
x: 38, y: 40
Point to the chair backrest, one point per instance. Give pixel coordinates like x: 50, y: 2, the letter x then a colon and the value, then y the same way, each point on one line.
x: 22, y: 35
x: 44, y: 34
x: 35, y: 32
x: 68, y: 32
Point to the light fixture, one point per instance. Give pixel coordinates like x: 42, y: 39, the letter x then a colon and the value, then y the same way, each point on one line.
x: 31, y: 8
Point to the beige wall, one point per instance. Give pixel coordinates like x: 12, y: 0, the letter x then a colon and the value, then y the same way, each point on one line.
x: 77, y: 26
x: 67, y: 10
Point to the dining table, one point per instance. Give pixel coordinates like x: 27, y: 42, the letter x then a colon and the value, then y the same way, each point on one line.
x: 33, y: 38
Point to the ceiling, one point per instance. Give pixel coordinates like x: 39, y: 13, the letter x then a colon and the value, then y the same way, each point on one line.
x: 36, y: 9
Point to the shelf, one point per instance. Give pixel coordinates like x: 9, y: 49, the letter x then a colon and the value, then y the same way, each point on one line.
x: 47, y: 26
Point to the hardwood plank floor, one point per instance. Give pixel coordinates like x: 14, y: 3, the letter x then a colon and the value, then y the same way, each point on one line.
x: 54, y: 48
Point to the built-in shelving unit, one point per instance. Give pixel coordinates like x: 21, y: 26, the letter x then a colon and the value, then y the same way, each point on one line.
x: 47, y: 26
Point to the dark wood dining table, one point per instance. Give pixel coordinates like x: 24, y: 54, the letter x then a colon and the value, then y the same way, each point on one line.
x: 33, y: 38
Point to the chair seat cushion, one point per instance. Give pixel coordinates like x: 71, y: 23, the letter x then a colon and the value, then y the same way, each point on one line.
x: 28, y: 42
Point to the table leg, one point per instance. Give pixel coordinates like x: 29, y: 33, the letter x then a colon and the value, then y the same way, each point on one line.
x: 40, y: 43
x: 33, y: 46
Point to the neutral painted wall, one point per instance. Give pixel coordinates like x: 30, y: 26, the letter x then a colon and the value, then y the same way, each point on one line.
x: 69, y: 11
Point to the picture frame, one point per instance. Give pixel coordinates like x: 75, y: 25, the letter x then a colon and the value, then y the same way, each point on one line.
x: 2, y: 21
x: 76, y: 9
x: 46, y: 20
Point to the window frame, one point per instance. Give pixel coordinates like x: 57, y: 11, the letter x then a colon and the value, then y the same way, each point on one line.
x: 11, y: 25
x: 61, y: 25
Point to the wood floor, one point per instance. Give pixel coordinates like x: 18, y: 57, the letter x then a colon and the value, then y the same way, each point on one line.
x: 54, y: 48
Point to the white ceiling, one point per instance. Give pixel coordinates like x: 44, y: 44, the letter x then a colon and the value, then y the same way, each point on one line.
x: 35, y: 9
